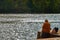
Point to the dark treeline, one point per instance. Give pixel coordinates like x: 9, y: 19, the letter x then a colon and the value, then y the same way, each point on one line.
x: 30, y: 6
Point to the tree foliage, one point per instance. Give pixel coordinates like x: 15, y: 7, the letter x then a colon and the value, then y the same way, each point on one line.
x: 30, y: 6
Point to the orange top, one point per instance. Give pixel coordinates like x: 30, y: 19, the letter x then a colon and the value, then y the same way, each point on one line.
x: 46, y: 27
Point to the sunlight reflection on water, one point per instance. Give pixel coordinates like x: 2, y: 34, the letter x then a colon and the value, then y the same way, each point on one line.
x: 17, y: 30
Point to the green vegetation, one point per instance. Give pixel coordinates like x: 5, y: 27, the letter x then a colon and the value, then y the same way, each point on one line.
x: 30, y: 6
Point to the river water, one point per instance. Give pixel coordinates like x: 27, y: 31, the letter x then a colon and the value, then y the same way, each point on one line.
x: 25, y: 26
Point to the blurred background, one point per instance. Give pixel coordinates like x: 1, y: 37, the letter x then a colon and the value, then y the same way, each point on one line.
x: 29, y: 6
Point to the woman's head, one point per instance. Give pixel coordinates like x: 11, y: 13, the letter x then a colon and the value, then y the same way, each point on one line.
x: 46, y: 20
x: 56, y: 29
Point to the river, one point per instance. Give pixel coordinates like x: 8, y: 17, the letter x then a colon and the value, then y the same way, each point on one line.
x: 25, y: 26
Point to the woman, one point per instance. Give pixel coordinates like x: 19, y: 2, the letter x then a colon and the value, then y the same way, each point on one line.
x: 55, y: 30
x: 45, y: 29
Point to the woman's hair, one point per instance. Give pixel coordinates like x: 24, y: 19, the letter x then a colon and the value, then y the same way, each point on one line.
x: 46, y: 20
x: 56, y: 29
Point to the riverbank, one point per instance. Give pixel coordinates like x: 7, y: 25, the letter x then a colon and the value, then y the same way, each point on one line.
x: 55, y: 38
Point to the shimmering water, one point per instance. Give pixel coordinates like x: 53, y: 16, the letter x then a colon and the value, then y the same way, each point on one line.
x: 21, y: 26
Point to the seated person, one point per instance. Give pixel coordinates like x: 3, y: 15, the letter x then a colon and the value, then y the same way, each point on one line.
x: 45, y: 29
x: 55, y: 30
